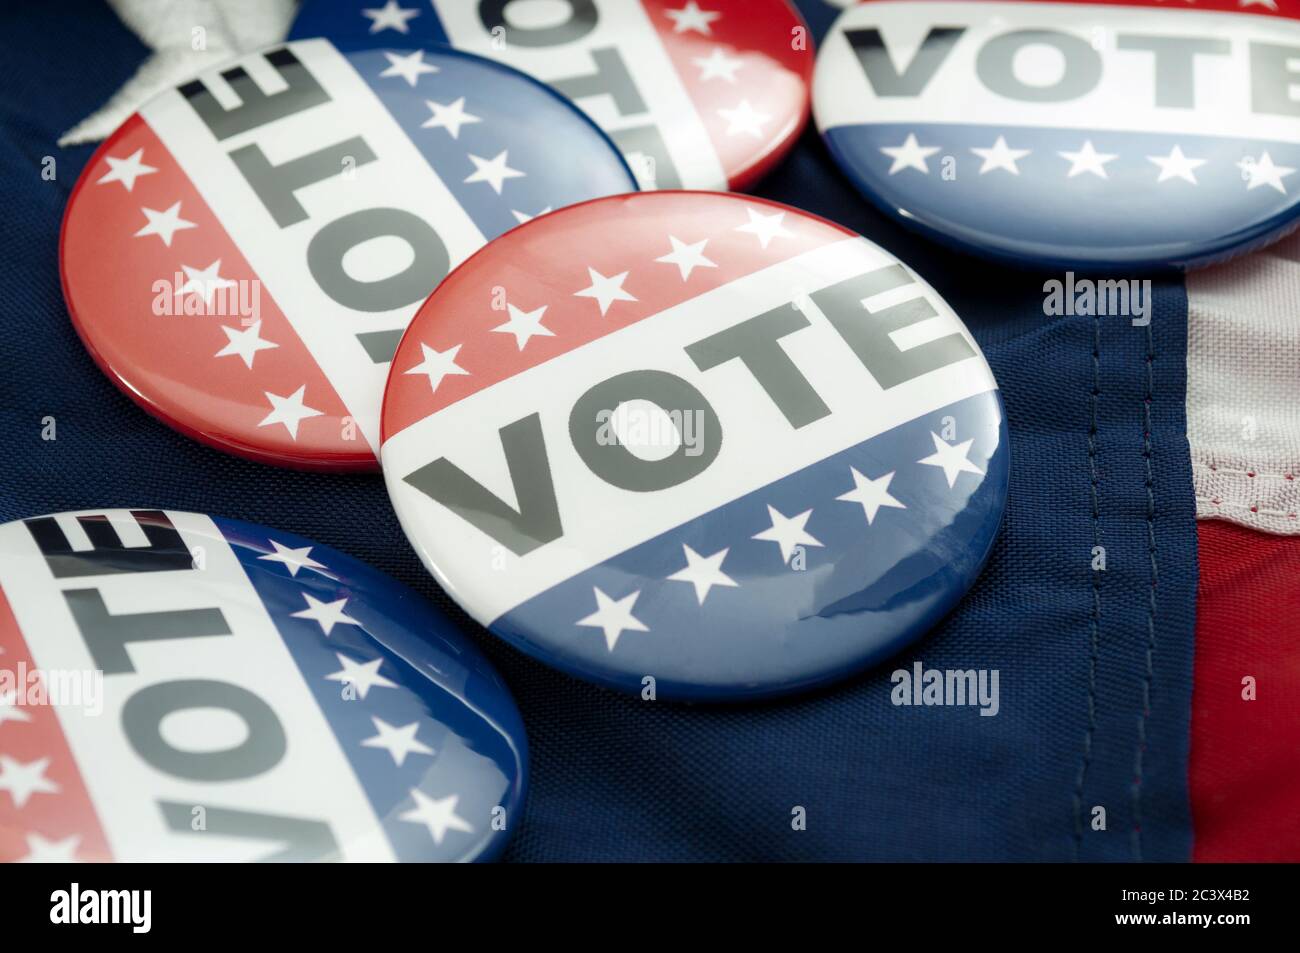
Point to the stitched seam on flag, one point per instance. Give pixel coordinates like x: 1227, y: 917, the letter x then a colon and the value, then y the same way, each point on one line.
x: 1277, y: 475
x: 1140, y: 753
x: 1094, y: 634
x: 1242, y: 506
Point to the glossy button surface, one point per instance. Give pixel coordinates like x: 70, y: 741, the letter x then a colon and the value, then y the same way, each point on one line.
x: 1091, y: 135
x: 242, y: 255
x: 698, y: 438
x: 700, y: 94
x: 177, y: 687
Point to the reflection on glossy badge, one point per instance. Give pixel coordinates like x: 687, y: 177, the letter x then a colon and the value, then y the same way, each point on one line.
x: 242, y: 256
x: 696, y: 444
x: 177, y: 687
x: 700, y: 94
x: 1092, y: 134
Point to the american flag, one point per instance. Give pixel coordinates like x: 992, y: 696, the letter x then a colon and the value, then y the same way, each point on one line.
x: 881, y: 494
x: 433, y: 152
x: 368, y: 734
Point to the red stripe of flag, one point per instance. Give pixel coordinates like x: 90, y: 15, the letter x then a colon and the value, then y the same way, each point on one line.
x: 1244, y: 769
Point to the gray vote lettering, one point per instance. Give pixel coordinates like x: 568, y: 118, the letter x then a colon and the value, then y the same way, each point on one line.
x: 259, y: 752
x: 256, y: 108
x: 878, y: 66
x: 581, y: 20
x: 611, y: 79
x: 1081, y: 75
x: 1175, y: 64
x: 166, y: 551
x: 1274, y: 73
x: 867, y: 333
x: 756, y: 344
x: 429, y: 260
x: 277, y: 185
x: 302, y: 840
x: 615, y: 463
x: 535, y: 523
x: 107, y: 636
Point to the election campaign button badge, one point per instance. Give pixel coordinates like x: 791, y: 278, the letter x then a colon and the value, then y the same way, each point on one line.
x: 178, y: 687
x: 242, y: 256
x: 1097, y: 134
x: 695, y: 441
x: 699, y: 94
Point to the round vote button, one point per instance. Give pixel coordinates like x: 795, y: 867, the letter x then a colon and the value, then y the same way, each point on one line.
x: 242, y: 255
x: 178, y: 687
x: 696, y: 438
x: 699, y: 94
x: 1102, y: 135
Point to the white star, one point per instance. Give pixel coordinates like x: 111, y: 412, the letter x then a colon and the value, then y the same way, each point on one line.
x: 9, y: 710
x: 245, y: 343
x: 687, y: 257
x: 451, y: 116
x: 1000, y: 156
x: 294, y: 559
x: 437, y: 814
x: 910, y: 155
x: 288, y: 411
x: 951, y: 458
x: 718, y: 65
x: 42, y: 851
x: 1088, y: 159
x: 361, y: 676
x: 126, y: 170
x: 691, y: 17
x: 614, y: 617
x: 1176, y: 166
x: 410, y: 67
x: 493, y: 171
x: 399, y: 742
x: 872, y: 494
x: 1270, y: 4
x: 438, y: 364
x: 24, y: 780
x: 744, y: 118
x: 703, y: 572
x: 524, y: 325
x: 522, y: 217
x: 1263, y: 172
x: 605, y: 290
x: 787, y: 532
x: 390, y: 17
x: 164, y: 224
x: 325, y: 614
x: 766, y: 227
x: 204, y: 282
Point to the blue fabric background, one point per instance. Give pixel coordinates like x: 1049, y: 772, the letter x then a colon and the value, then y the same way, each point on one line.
x: 1095, y: 668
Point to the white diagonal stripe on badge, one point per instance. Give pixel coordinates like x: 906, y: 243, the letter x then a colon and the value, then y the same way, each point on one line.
x: 624, y: 26
x: 125, y: 789
x: 398, y: 178
x: 758, y: 444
